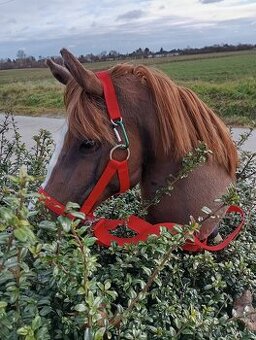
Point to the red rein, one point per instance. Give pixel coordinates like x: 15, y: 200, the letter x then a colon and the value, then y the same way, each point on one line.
x: 103, y: 228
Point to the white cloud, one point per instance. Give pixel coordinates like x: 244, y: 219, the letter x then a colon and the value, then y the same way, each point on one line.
x: 209, y: 1
x: 42, y: 25
x: 131, y: 15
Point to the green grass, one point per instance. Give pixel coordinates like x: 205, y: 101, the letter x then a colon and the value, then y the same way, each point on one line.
x: 213, y: 70
x: 32, y: 98
x: 235, y: 101
x: 227, y: 84
x: 225, y: 81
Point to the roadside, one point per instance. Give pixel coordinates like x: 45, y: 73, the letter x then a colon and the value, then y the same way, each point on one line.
x: 29, y: 126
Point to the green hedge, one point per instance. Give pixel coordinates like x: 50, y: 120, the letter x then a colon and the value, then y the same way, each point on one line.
x: 57, y: 283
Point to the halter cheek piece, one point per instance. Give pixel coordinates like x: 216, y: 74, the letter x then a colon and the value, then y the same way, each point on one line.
x: 103, y: 228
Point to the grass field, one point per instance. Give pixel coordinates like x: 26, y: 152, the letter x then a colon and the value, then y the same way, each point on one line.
x: 225, y: 81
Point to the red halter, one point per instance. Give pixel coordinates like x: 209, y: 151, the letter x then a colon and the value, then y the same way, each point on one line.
x: 102, y: 229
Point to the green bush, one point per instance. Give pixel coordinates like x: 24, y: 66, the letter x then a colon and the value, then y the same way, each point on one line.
x: 57, y: 283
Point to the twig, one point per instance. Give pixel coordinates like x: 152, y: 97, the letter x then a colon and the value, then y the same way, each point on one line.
x: 118, y: 318
x: 246, y: 165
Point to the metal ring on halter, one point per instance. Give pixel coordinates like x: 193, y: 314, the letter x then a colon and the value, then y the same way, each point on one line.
x: 119, y: 146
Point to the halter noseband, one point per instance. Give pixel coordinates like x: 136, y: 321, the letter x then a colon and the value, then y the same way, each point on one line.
x: 102, y: 229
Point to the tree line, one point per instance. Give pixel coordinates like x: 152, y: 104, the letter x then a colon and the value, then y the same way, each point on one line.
x: 24, y: 61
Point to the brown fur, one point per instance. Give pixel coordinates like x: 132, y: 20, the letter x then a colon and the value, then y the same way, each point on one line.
x: 183, y: 119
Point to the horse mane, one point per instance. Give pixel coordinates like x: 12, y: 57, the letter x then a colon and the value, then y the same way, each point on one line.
x: 183, y: 119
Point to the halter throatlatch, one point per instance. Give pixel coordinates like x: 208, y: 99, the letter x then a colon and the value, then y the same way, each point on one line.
x: 104, y: 227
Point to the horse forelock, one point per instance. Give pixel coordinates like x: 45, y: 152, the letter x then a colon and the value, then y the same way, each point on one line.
x: 86, y: 116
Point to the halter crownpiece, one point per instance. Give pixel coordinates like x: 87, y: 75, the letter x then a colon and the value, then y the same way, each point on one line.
x: 103, y: 228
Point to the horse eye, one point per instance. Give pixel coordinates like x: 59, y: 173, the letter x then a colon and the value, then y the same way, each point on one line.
x: 88, y: 145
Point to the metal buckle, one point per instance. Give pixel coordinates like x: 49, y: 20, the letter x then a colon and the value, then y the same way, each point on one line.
x: 124, y: 143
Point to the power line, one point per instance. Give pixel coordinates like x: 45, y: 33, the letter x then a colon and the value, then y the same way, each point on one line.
x: 6, y: 2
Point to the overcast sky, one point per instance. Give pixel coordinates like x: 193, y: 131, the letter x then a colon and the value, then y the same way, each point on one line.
x: 43, y: 27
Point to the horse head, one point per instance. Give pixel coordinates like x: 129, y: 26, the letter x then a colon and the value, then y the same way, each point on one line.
x: 88, y: 139
x: 163, y: 122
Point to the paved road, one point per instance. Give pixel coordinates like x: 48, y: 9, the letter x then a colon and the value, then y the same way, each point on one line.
x: 29, y: 126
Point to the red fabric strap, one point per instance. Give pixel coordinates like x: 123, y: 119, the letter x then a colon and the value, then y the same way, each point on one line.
x: 51, y: 203
x: 112, y: 167
x: 123, y: 176
x: 103, y: 229
x: 110, y: 95
x: 230, y: 237
x: 55, y: 206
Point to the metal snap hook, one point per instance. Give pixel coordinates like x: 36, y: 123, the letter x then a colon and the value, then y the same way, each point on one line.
x: 118, y: 124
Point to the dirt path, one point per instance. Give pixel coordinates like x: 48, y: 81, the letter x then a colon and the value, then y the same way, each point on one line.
x: 29, y: 126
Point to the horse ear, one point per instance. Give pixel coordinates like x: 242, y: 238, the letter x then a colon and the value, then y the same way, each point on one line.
x: 85, y: 78
x: 59, y: 72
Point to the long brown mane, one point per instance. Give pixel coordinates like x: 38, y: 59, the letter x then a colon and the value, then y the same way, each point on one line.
x: 183, y: 119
